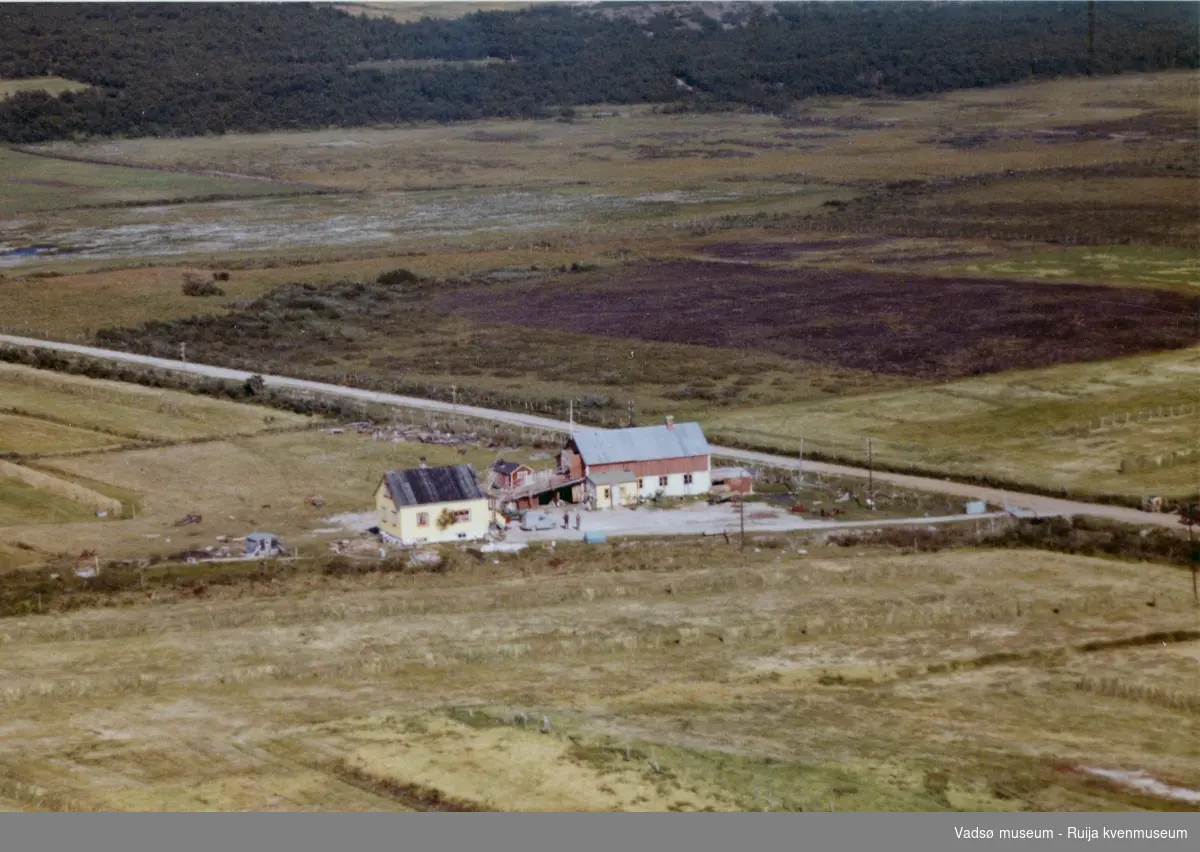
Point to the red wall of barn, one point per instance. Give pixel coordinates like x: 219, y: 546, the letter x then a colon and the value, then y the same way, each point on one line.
x: 657, y: 467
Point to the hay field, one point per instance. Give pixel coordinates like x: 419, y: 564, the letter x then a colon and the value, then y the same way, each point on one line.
x: 34, y: 184
x: 50, y: 85
x: 122, y: 412
x: 22, y: 504
x: 681, y: 679
x: 46, y: 417
x: 1060, y: 427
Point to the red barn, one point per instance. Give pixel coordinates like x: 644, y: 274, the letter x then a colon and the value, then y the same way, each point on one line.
x: 671, y: 459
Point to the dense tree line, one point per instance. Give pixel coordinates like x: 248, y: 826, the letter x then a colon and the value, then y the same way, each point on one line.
x: 188, y: 69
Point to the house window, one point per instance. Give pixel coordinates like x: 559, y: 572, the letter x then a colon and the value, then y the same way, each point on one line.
x: 662, y: 482
x: 639, y: 485
x: 687, y: 479
x: 422, y: 519
x: 607, y: 494
x: 462, y: 516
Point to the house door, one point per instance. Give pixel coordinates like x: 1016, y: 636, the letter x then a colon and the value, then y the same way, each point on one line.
x: 606, y: 497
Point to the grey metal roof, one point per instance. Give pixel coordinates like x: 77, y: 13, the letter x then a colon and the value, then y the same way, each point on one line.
x: 613, y: 477
x: 424, y: 485
x: 640, y: 443
x: 719, y: 473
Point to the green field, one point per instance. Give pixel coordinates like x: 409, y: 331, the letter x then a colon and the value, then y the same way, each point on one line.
x: 35, y: 184
x: 22, y: 504
x: 1060, y: 428
x: 1148, y: 266
x: 23, y: 435
x: 71, y: 407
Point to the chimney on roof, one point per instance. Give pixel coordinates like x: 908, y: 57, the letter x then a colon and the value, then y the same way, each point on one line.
x: 422, y: 461
x: 670, y: 422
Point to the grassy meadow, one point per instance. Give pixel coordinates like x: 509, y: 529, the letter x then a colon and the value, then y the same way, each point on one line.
x: 1061, y: 427
x: 123, y: 412
x: 635, y: 150
x: 686, y: 678
x: 1138, y: 266
x: 44, y: 185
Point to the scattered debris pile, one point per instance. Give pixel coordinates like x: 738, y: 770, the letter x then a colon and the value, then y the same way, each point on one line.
x: 396, y: 434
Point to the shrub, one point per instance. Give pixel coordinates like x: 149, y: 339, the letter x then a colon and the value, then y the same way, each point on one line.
x: 396, y: 276
x: 198, y: 284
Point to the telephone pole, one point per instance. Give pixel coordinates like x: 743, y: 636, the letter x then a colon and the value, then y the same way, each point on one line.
x: 870, y: 469
x: 742, y: 514
x: 182, y: 351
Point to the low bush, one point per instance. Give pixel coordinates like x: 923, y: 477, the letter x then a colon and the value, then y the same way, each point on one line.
x: 394, y: 277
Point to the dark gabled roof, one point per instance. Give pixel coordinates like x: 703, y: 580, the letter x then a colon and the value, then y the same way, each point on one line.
x: 507, y: 467
x: 424, y: 485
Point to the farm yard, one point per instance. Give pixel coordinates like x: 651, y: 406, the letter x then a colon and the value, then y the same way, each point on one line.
x: 680, y: 677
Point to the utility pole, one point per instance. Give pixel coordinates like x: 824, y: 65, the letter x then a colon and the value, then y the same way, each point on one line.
x: 182, y: 351
x: 801, y: 459
x: 630, y: 404
x: 870, y: 469
x: 1188, y: 517
x: 742, y: 514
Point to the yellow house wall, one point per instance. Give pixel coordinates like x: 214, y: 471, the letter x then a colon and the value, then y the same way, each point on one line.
x: 402, y: 524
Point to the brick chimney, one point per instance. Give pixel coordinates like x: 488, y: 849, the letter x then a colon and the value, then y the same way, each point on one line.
x: 670, y: 421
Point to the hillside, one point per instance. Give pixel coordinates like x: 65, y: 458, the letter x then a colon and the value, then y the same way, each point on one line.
x: 192, y: 69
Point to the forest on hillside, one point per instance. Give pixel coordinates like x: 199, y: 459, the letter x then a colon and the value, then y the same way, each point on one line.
x: 192, y: 68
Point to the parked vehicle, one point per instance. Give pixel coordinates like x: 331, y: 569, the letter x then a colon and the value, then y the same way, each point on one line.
x: 538, y: 521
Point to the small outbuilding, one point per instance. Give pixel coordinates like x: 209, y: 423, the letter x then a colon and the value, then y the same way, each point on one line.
x: 611, y: 489
x: 431, y: 504
x: 735, y: 480
x: 511, y: 475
